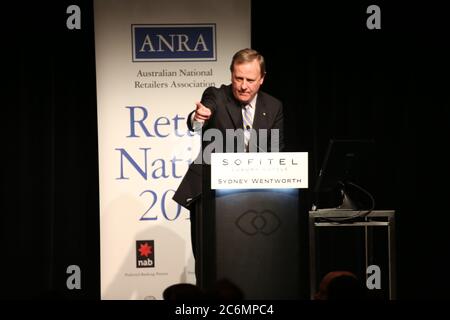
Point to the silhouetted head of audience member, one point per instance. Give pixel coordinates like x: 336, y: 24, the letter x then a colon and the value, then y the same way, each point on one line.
x: 226, y: 290
x: 183, y: 291
x: 340, y: 285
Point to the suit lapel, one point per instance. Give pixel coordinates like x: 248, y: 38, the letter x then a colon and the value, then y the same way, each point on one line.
x: 235, y: 112
x: 261, y: 114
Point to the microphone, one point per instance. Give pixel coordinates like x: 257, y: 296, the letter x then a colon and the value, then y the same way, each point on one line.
x: 247, y: 127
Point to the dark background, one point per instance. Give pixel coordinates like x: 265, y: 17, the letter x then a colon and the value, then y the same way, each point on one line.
x: 335, y: 77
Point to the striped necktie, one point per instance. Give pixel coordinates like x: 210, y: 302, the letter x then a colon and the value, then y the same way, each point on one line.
x: 247, y: 117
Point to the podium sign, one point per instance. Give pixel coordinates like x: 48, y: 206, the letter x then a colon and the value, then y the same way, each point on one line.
x: 274, y: 170
x: 249, y: 226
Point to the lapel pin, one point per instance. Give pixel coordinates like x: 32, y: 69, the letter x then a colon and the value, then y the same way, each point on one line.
x: 264, y: 113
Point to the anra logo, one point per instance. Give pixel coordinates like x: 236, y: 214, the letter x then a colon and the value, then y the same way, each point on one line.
x: 174, y: 42
x: 145, y: 253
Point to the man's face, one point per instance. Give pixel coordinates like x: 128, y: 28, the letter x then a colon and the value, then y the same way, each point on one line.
x: 246, y: 79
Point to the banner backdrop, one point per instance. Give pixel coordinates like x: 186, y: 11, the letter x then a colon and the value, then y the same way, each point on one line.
x: 153, y: 61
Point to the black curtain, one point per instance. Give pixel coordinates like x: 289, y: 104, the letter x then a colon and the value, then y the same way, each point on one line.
x: 49, y: 217
x: 338, y: 79
x: 335, y: 77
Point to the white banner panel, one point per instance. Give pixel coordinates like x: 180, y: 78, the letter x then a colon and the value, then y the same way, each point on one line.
x: 154, y: 58
x: 276, y: 170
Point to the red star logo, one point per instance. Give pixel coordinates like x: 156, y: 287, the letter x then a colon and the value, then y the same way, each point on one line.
x: 145, y: 249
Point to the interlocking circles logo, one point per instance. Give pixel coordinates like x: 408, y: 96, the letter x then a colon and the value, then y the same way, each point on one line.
x: 252, y: 222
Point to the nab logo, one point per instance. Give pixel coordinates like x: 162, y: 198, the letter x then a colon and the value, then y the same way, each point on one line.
x: 174, y: 42
x: 145, y: 254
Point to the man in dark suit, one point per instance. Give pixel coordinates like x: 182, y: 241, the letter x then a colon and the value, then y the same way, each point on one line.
x: 240, y: 105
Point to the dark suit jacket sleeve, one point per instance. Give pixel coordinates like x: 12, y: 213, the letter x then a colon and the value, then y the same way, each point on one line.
x: 210, y: 99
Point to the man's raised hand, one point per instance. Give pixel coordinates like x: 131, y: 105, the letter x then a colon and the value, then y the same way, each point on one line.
x: 202, y: 113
